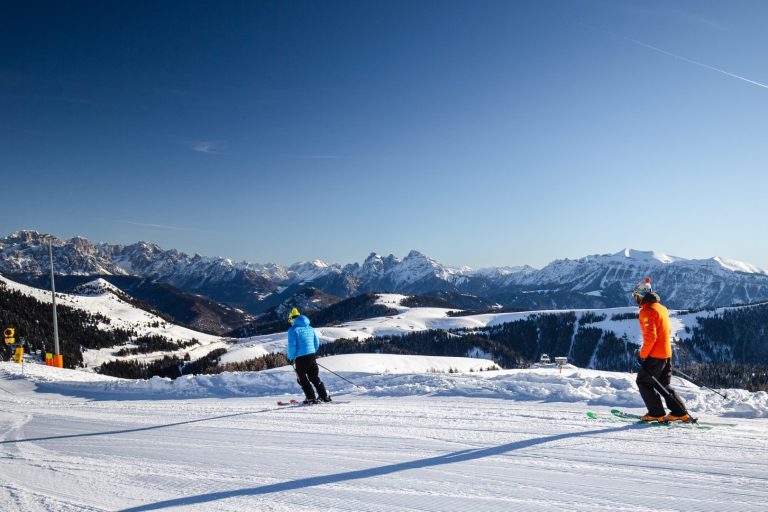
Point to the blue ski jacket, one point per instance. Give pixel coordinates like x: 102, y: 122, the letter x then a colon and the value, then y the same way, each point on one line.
x: 302, y: 338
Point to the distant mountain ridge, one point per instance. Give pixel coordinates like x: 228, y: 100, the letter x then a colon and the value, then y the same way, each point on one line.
x: 595, y: 281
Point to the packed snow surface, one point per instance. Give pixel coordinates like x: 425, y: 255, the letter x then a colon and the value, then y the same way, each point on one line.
x: 402, y: 435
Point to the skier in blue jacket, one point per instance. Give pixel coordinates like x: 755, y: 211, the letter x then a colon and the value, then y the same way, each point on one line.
x: 302, y: 348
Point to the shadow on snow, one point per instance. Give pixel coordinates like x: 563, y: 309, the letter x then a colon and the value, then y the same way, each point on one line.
x: 449, y: 458
x: 138, y: 429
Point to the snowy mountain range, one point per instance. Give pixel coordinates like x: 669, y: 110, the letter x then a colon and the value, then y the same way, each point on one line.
x: 596, y: 281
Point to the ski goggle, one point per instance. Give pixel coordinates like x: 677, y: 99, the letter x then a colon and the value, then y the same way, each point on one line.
x: 641, y: 290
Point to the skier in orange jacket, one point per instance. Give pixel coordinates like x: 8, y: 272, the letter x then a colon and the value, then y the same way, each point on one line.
x: 655, y: 358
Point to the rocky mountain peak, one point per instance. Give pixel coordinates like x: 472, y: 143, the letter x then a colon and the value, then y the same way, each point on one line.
x: 376, y: 266
x: 23, y: 237
x: 592, y: 281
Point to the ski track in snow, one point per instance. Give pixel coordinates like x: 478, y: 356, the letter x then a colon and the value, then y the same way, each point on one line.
x: 441, y: 451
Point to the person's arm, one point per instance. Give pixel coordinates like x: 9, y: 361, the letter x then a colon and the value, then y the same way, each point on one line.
x: 317, y: 340
x: 648, y: 328
x: 291, y: 344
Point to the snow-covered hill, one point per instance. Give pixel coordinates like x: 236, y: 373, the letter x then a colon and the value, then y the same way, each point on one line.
x: 409, y: 320
x: 418, y: 441
x: 100, y: 299
x: 104, y: 299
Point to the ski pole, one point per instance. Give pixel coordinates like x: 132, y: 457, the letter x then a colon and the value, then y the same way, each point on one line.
x: 339, y: 376
x: 701, y: 386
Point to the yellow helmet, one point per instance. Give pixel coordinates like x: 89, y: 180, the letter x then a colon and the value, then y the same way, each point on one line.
x: 292, y: 315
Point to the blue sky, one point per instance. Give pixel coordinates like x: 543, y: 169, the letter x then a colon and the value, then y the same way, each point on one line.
x: 480, y: 133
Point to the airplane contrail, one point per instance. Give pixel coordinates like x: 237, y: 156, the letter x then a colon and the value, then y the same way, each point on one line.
x: 691, y: 61
x: 159, y: 226
x: 674, y: 55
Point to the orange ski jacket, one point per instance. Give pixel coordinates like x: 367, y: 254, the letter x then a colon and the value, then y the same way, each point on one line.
x: 654, y: 324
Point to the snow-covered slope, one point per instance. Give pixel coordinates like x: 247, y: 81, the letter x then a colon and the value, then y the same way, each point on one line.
x: 104, y: 299
x: 394, y: 442
x: 409, y: 320
x: 100, y: 300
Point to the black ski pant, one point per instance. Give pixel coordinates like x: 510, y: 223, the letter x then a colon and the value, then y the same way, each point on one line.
x: 650, y: 390
x: 308, y: 374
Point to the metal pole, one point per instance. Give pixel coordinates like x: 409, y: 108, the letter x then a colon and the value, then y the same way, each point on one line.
x: 53, y: 298
x: 675, y: 370
x: 339, y: 376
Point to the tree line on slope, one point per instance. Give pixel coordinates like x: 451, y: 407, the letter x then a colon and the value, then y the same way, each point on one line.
x: 173, y: 366
x: 510, y: 345
x: 733, y: 343
x: 359, y: 307
x: 752, y: 377
x: 739, y: 333
x: 33, y: 321
x: 78, y: 330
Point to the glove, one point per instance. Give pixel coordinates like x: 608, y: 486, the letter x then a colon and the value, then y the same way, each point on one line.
x: 640, y: 360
